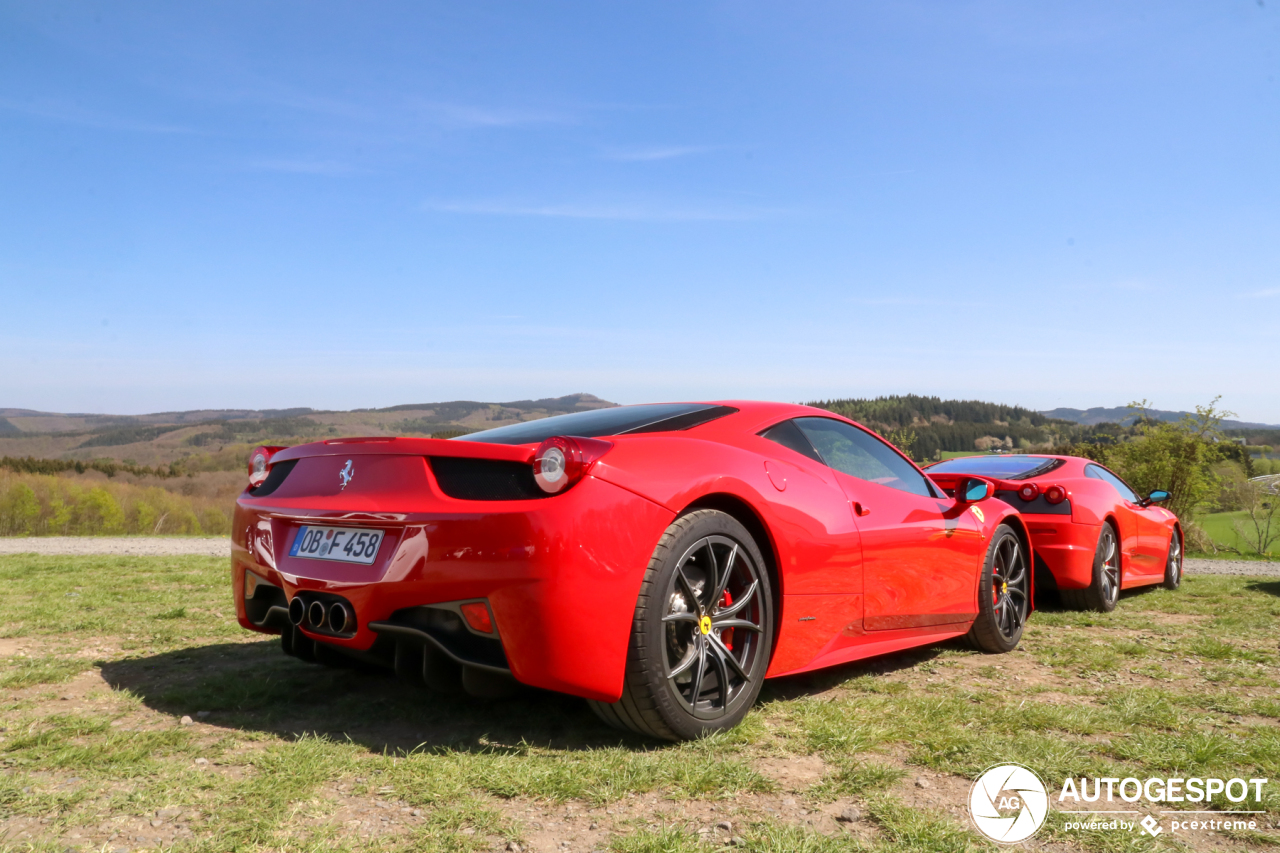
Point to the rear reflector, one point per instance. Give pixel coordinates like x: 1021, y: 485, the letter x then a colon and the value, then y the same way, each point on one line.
x: 477, y: 615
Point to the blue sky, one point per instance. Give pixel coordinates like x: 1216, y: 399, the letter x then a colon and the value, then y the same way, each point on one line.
x: 350, y: 205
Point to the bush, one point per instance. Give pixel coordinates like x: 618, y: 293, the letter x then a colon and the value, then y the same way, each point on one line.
x: 1178, y: 456
x: 41, y: 504
x: 19, y: 511
x: 98, y: 512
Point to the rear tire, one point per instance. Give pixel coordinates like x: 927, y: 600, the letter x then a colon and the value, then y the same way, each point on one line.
x: 1173, y: 563
x: 1104, y: 590
x: 702, y: 633
x: 1004, y: 594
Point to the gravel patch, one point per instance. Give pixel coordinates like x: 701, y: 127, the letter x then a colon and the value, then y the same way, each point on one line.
x: 1231, y: 567
x: 218, y: 546
x: 119, y: 546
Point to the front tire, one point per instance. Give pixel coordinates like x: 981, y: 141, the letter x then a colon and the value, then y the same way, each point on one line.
x: 1004, y: 594
x: 1173, y: 563
x: 702, y: 633
x: 1104, y: 590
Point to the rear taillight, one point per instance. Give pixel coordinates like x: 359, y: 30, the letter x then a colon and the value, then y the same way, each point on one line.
x: 260, y: 464
x: 561, y: 461
x: 1055, y: 494
x: 1029, y: 491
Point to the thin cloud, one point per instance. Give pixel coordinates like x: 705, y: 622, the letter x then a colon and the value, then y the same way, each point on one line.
x: 303, y: 167
x: 394, y: 110
x: 69, y: 114
x: 624, y: 212
x: 466, y: 116
x: 649, y: 155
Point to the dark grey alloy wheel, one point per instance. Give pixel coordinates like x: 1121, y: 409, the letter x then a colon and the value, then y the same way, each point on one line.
x: 702, y: 633
x: 1004, y: 594
x: 1173, y: 564
x: 1101, y: 595
x: 713, y: 618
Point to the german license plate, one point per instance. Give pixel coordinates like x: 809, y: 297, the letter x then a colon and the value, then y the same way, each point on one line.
x: 341, y: 544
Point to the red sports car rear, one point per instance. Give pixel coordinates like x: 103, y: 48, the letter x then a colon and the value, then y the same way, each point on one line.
x: 658, y: 560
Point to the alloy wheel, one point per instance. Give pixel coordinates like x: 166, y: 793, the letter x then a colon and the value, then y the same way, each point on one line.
x: 1110, y: 567
x: 1175, y: 558
x: 714, y: 622
x: 1009, y: 585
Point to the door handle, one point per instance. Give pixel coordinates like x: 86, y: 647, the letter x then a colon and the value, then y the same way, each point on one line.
x: 860, y: 510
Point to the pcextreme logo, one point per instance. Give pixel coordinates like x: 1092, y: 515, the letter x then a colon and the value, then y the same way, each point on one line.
x: 1008, y: 803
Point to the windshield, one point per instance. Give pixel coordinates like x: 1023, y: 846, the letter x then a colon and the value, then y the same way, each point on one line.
x: 598, y: 422
x: 999, y: 467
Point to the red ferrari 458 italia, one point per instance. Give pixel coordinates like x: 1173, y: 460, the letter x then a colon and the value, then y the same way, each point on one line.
x: 658, y: 560
x: 1093, y: 535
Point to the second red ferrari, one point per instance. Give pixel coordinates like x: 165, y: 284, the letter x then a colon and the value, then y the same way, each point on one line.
x: 1093, y: 534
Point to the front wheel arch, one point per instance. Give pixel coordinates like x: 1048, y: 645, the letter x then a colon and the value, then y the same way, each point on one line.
x: 1019, y: 526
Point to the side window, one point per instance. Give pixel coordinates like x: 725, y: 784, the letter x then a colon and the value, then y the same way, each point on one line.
x: 1097, y: 472
x: 789, y: 436
x: 862, y: 455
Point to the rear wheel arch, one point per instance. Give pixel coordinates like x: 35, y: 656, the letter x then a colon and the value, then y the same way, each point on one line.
x: 1110, y: 519
x: 746, y: 515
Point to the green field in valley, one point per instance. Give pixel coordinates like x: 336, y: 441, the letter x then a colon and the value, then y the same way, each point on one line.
x: 101, y: 658
x: 1220, y: 527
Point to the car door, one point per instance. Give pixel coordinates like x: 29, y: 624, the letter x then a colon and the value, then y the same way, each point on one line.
x: 1135, y: 544
x: 920, y: 552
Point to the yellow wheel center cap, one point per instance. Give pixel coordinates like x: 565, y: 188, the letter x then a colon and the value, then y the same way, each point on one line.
x: 1005, y: 587
x: 704, y: 625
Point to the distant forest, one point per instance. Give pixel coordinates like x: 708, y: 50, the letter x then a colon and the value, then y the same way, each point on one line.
x: 928, y: 426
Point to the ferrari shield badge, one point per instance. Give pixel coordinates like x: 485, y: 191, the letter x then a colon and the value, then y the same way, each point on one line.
x: 977, y: 513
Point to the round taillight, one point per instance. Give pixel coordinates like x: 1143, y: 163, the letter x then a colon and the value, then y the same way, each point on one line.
x: 1055, y: 494
x: 562, y: 460
x: 551, y: 469
x: 1028, y: 491
x: 260, y: 464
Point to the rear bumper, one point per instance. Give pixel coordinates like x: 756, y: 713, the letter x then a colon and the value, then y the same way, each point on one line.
x: 561, y: 575
x: 1065, y: 547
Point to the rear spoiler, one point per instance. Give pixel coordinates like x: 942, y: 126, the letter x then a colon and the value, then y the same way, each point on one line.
x: 393, y: 446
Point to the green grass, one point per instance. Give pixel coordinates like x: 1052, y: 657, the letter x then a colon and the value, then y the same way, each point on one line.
x: 1220, y: 527
x: 1170, y: 683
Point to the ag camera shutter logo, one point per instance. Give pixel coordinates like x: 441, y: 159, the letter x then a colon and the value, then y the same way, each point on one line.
x: 1008, y: 803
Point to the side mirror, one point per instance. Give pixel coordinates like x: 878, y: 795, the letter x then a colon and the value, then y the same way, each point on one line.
x: 1158, y: 496
x: 972, y: 490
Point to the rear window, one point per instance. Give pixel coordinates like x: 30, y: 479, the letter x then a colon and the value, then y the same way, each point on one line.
x: 998, y: 467
x: 653, y: 417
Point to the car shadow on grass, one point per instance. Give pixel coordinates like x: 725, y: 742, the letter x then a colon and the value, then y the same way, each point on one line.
x: 255, y: 687
x: 1267, y: 587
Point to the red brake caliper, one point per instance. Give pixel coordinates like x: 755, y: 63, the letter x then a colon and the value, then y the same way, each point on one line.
x: 726, y: 636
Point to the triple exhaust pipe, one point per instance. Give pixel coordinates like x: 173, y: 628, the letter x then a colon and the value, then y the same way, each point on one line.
x: 336, y: 617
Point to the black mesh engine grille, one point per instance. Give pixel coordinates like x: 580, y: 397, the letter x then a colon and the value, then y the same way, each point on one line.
x: 274, y: 478
x: 485, y: 479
